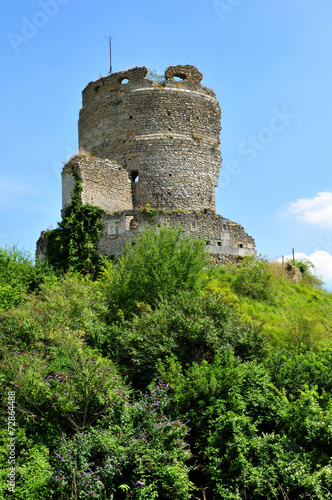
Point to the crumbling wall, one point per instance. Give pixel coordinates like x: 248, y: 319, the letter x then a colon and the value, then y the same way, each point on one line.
x: 104, y: 183
x: 214, y: 229
x: 166, y: 136
x: 155, y: 143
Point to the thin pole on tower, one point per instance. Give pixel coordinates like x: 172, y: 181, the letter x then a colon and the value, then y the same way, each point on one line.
x: 109, y: 38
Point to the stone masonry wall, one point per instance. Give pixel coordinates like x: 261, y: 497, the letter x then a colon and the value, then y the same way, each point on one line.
x: 104, y: 183
x: 157, y: 144
x: 221, y: 235
x: 167, y: 137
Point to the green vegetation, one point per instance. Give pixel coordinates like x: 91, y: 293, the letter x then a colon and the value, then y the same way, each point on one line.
x: 159, y: 264
x: 158, y: 80
x: 292, y: 314
x: 72, y: 246
x: 18, y: 276
x: 158, y: 377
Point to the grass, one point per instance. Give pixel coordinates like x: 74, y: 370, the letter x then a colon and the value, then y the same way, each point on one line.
x: 85, y: 154
x: 298, y: 314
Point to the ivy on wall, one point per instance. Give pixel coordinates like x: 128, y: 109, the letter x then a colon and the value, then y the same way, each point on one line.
x: 72, y: 246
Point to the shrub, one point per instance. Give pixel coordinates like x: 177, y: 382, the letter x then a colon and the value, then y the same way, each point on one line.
x: 69, y: 399
x: 254, y: 278
x: 191, y: 327
x: 249, y: 438
x: 307, y: 271
x: 16, y: 276
x: 158, y: 80
x: 67, y: 304
x: 33, y: 471
x: 144, y: 454
x: 160, y: 264
x: 291, y: 371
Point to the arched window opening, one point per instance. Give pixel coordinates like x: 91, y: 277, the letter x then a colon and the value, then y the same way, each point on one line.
x: 179, y: 78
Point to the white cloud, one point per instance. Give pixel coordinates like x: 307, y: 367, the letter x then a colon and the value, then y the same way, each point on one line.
x: 322, y: 261
x: 317, y: 210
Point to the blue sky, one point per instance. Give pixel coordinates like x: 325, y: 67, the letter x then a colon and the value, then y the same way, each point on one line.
x: 268, y: 62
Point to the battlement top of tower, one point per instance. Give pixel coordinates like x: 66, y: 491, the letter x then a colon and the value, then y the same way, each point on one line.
x: 181, y: 77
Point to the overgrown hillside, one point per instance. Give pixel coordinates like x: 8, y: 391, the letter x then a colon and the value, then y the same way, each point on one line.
x: 159, y: 377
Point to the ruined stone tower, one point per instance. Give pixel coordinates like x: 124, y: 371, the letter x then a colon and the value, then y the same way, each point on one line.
x: 166, y: 137
x: 155, y: 145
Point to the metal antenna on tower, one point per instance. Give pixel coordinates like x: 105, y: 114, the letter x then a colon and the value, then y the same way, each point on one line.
x: 109, y: 38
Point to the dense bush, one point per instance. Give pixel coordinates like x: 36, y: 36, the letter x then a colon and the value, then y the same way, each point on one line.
x: 291, y: 372
x: 77, y: 352
x: 189, y: 326
x: 254, y: 278
x: 63, y: 304
x: 307, y: 271
x: 33, y: 471
x: 70, y: 399
x: 17, y: 274
x: 252, y: 442
x: 159, y: 264
x: 142, y: 456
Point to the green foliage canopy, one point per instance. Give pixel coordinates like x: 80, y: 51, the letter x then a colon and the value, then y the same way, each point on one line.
x: 160, y: 263
x: 107, y: 375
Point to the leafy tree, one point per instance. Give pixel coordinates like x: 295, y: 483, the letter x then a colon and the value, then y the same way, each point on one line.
x: 189, y: 326
x: 16, y: 276
x: 160, y: 263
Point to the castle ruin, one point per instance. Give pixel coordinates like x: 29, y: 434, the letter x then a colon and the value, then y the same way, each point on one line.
x: 154, y: 146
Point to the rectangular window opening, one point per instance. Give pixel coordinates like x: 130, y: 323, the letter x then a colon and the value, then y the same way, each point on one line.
x: 129, y: 218
x: 134, y: 176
